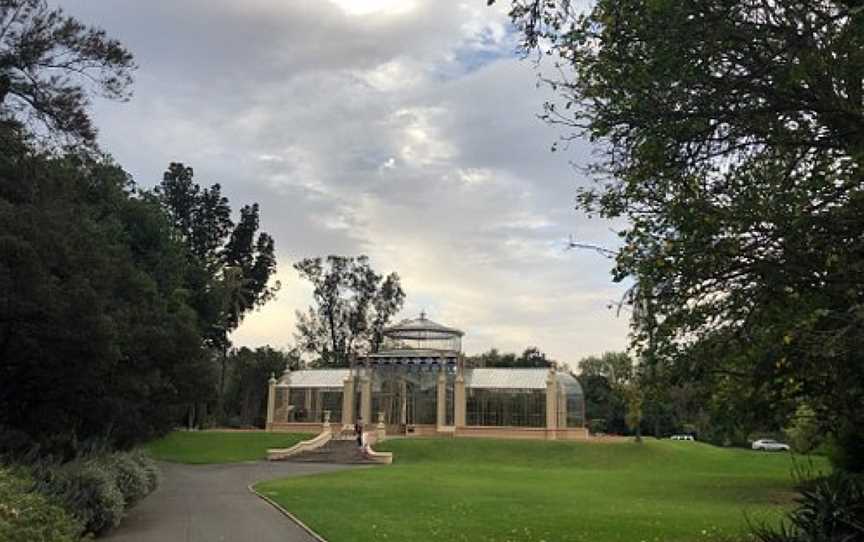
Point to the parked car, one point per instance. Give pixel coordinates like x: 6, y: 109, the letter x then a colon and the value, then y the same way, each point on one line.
x: 681, y: 437
x: 769, y: 445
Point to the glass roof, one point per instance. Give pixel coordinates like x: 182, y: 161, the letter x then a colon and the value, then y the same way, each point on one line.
x: 420, y: 328
x: 495, y: 378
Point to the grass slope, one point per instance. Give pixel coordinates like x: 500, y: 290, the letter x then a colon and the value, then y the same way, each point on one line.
x: 203, y: 447
x: 485, y: 490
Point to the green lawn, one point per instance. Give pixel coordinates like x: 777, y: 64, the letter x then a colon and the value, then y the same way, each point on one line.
x: 485, y: 490
x: 201, y: 447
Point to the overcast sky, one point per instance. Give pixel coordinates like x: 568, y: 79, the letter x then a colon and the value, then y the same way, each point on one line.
x: 401, y: 129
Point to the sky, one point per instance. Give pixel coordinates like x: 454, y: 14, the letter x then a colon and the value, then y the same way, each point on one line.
x: 405, y: 130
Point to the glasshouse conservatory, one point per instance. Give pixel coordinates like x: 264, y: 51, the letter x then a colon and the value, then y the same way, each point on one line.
x: 419, y: 384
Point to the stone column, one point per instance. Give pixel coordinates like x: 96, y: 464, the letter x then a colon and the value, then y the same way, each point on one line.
x: 271, y: 401
x: 551, y: 404
x: 326, y: 425
x: 403, y: 406
x: 562, y: 409
x: 441, y: 402
x: 459, y: 400
x: 366, y: 399
x: 381, y: 428
x: 347, y: 403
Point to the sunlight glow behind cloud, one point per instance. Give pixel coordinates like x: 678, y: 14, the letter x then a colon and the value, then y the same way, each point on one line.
x: 370, y: 7
x: 400, y: 129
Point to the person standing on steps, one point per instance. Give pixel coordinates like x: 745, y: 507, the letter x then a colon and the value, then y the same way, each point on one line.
x: 358, y: 430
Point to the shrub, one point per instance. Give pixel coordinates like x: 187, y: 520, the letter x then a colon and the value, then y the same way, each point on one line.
x: 150, y: 469
x: 97, y: 489
x: 804, y: 433
x: 597, y: 426
x: 131, y: 478
x: 846, y: 449
x: 28, y: 516
x: 830, y: 509
x: 87, y: 488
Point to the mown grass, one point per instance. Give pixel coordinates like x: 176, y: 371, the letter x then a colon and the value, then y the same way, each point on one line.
x: 486, y: 490
x: 201, y: 447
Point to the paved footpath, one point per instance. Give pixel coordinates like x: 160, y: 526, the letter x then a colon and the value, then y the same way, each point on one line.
x: 212, y: 503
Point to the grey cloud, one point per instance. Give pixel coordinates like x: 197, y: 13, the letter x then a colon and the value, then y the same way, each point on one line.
x: 410, y: 138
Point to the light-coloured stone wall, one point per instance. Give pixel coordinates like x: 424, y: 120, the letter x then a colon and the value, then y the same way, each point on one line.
x: 295, y: 427
x: 537, y: 433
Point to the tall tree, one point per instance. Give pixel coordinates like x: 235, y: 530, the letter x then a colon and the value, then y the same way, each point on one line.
x: 616, y: 367
x: 49, y: 66
x: 353, y: 304
x: 97, y: 340
x: 246, y: 402
x: 731, y: 137
x: 230, y: 265
x: 612, y: 390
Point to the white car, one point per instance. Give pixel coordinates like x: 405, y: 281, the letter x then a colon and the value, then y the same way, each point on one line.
x: 681, y: 437
x: 768, y: 445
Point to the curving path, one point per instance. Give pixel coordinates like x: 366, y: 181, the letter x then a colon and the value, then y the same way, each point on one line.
x: 212, y: 503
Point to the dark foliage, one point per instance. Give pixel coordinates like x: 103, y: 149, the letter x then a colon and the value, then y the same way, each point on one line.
x: 27, y: 515
x: 246, y: 392
x: 49, y: 66
x: 233, y: 262
x: 97, y: 488
x: 97, y: 339
x: 730, y: 143
x: 228, y: 266
x: 353, y: 304
x: 530, y: 357
x: 829, y: 509
x: 602, y: 402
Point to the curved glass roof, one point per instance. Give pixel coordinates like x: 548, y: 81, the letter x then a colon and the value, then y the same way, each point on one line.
x: 421, y: 328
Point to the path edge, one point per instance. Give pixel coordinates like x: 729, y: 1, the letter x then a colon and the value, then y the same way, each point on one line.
x: 286, y: 513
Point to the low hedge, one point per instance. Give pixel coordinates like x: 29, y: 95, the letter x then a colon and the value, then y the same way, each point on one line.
x: 98, y: 489
x: 88, y: 489
x: 26, y: 515
x: 134, y: 480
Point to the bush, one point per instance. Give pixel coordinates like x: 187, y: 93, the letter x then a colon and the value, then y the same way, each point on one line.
x: 150, y: 469
x: 803, y: 433
x: 99, y: 488
x: 846, y: 449
x: 87, y: 488
x: 597, y: 426
x: 830, y: 509
x: 131, y: 478
x: 28, y: 516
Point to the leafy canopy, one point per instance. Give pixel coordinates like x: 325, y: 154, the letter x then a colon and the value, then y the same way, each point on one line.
x: 97, y: 339
x: 230, y: 264
x: 353, y: 304
x: 50, y: 64
x: 730, y: 137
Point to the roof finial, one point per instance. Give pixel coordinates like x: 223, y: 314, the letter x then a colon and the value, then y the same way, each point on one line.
x: 422, y: 314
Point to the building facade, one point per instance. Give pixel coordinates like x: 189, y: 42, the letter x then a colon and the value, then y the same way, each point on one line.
x: 418, y: 384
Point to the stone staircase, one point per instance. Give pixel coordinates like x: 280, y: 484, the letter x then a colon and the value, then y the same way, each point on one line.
x: 341, y: 451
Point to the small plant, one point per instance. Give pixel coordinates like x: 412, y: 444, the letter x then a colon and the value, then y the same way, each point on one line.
x: 597, y: 426
x: 87, y: 488
x: 28, y: 516
x: 830, y: 509
x: 154, y: 475
x: 131, y: 478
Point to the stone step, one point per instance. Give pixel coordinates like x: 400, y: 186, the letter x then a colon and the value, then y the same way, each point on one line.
x: 335, y: 451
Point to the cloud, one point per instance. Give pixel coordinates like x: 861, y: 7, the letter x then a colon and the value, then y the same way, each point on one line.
x: 405, y: 132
